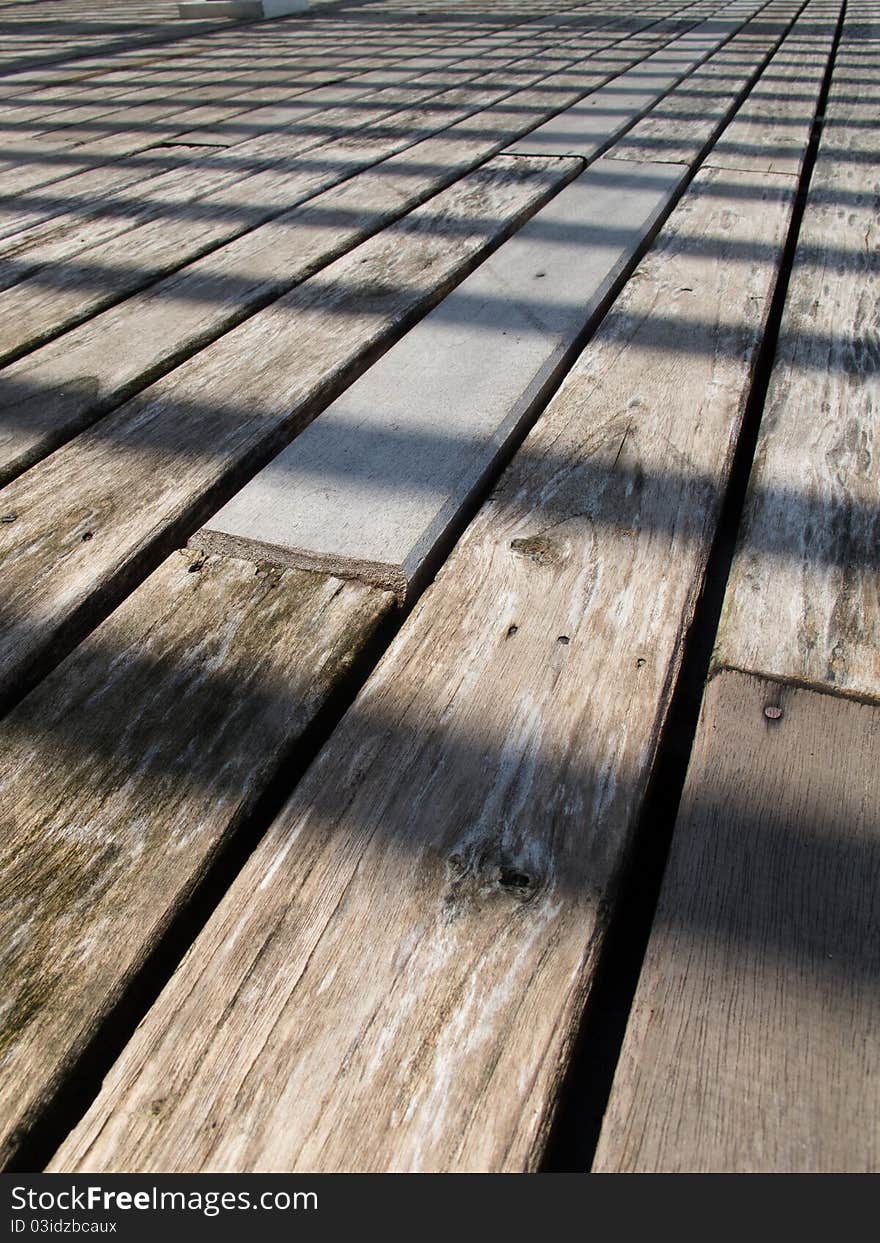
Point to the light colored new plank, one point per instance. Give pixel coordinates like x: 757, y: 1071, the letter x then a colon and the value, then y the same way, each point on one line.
x: 164, y: 458
x: 803, y: 602
x: 247, y: 10
x: 371, y: 489
x: 395, y: 978
x: 753, y: 1041
x: 126, y: 771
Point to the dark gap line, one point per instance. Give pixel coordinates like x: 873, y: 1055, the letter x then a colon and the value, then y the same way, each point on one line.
x: 586, y: 1090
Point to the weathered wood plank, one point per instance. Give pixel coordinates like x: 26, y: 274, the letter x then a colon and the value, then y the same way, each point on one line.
x: 56, y: 297
x: 587, y: 128
x: 770, y: 131
x: 394, y: 980
x: 753, y: 1041
x: 803, y: 602
x: 163, y: 461
x: 688, y: 118
x: 372, y: 488
x: 119, y: 201
x: 126, y: 772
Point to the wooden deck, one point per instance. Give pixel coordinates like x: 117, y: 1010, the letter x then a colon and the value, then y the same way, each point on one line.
x: 409, y: 413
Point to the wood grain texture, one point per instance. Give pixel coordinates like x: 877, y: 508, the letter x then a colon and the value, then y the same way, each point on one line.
x: 105, y: 261
x: 89, y: 516
x: 770, y: 131
x: 126, y: 771
x: 680, y: 125
x: 394, y: 980
x: 754, y: 1038
x: 803, y: 601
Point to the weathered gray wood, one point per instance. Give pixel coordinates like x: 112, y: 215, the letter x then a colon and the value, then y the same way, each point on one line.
x: 60, y: 296
x: 754, y: 1038
x: 802, y: 602
x: 371, y: 489
x: 691, y: 115
x: 119, y: 201
x: 126, y: 771
x: 589, y: 127
x: 160, y: 463
x: 394, y: 979
x: 770, y: 131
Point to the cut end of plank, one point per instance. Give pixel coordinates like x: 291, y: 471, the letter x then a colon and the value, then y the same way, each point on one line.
x: 385, y: 575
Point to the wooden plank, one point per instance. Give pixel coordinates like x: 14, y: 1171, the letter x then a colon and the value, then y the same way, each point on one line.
x: 48, y: 299
x: 684, y: 123
x: 768, y: 925
x: 753, y: 1041
x: 588, y: 127
x: 119, y: 197
x: 374, y: 488
x: 160, y: 463
x: 183, y: 704
x: 395, y: 978
x: 802, y: 602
